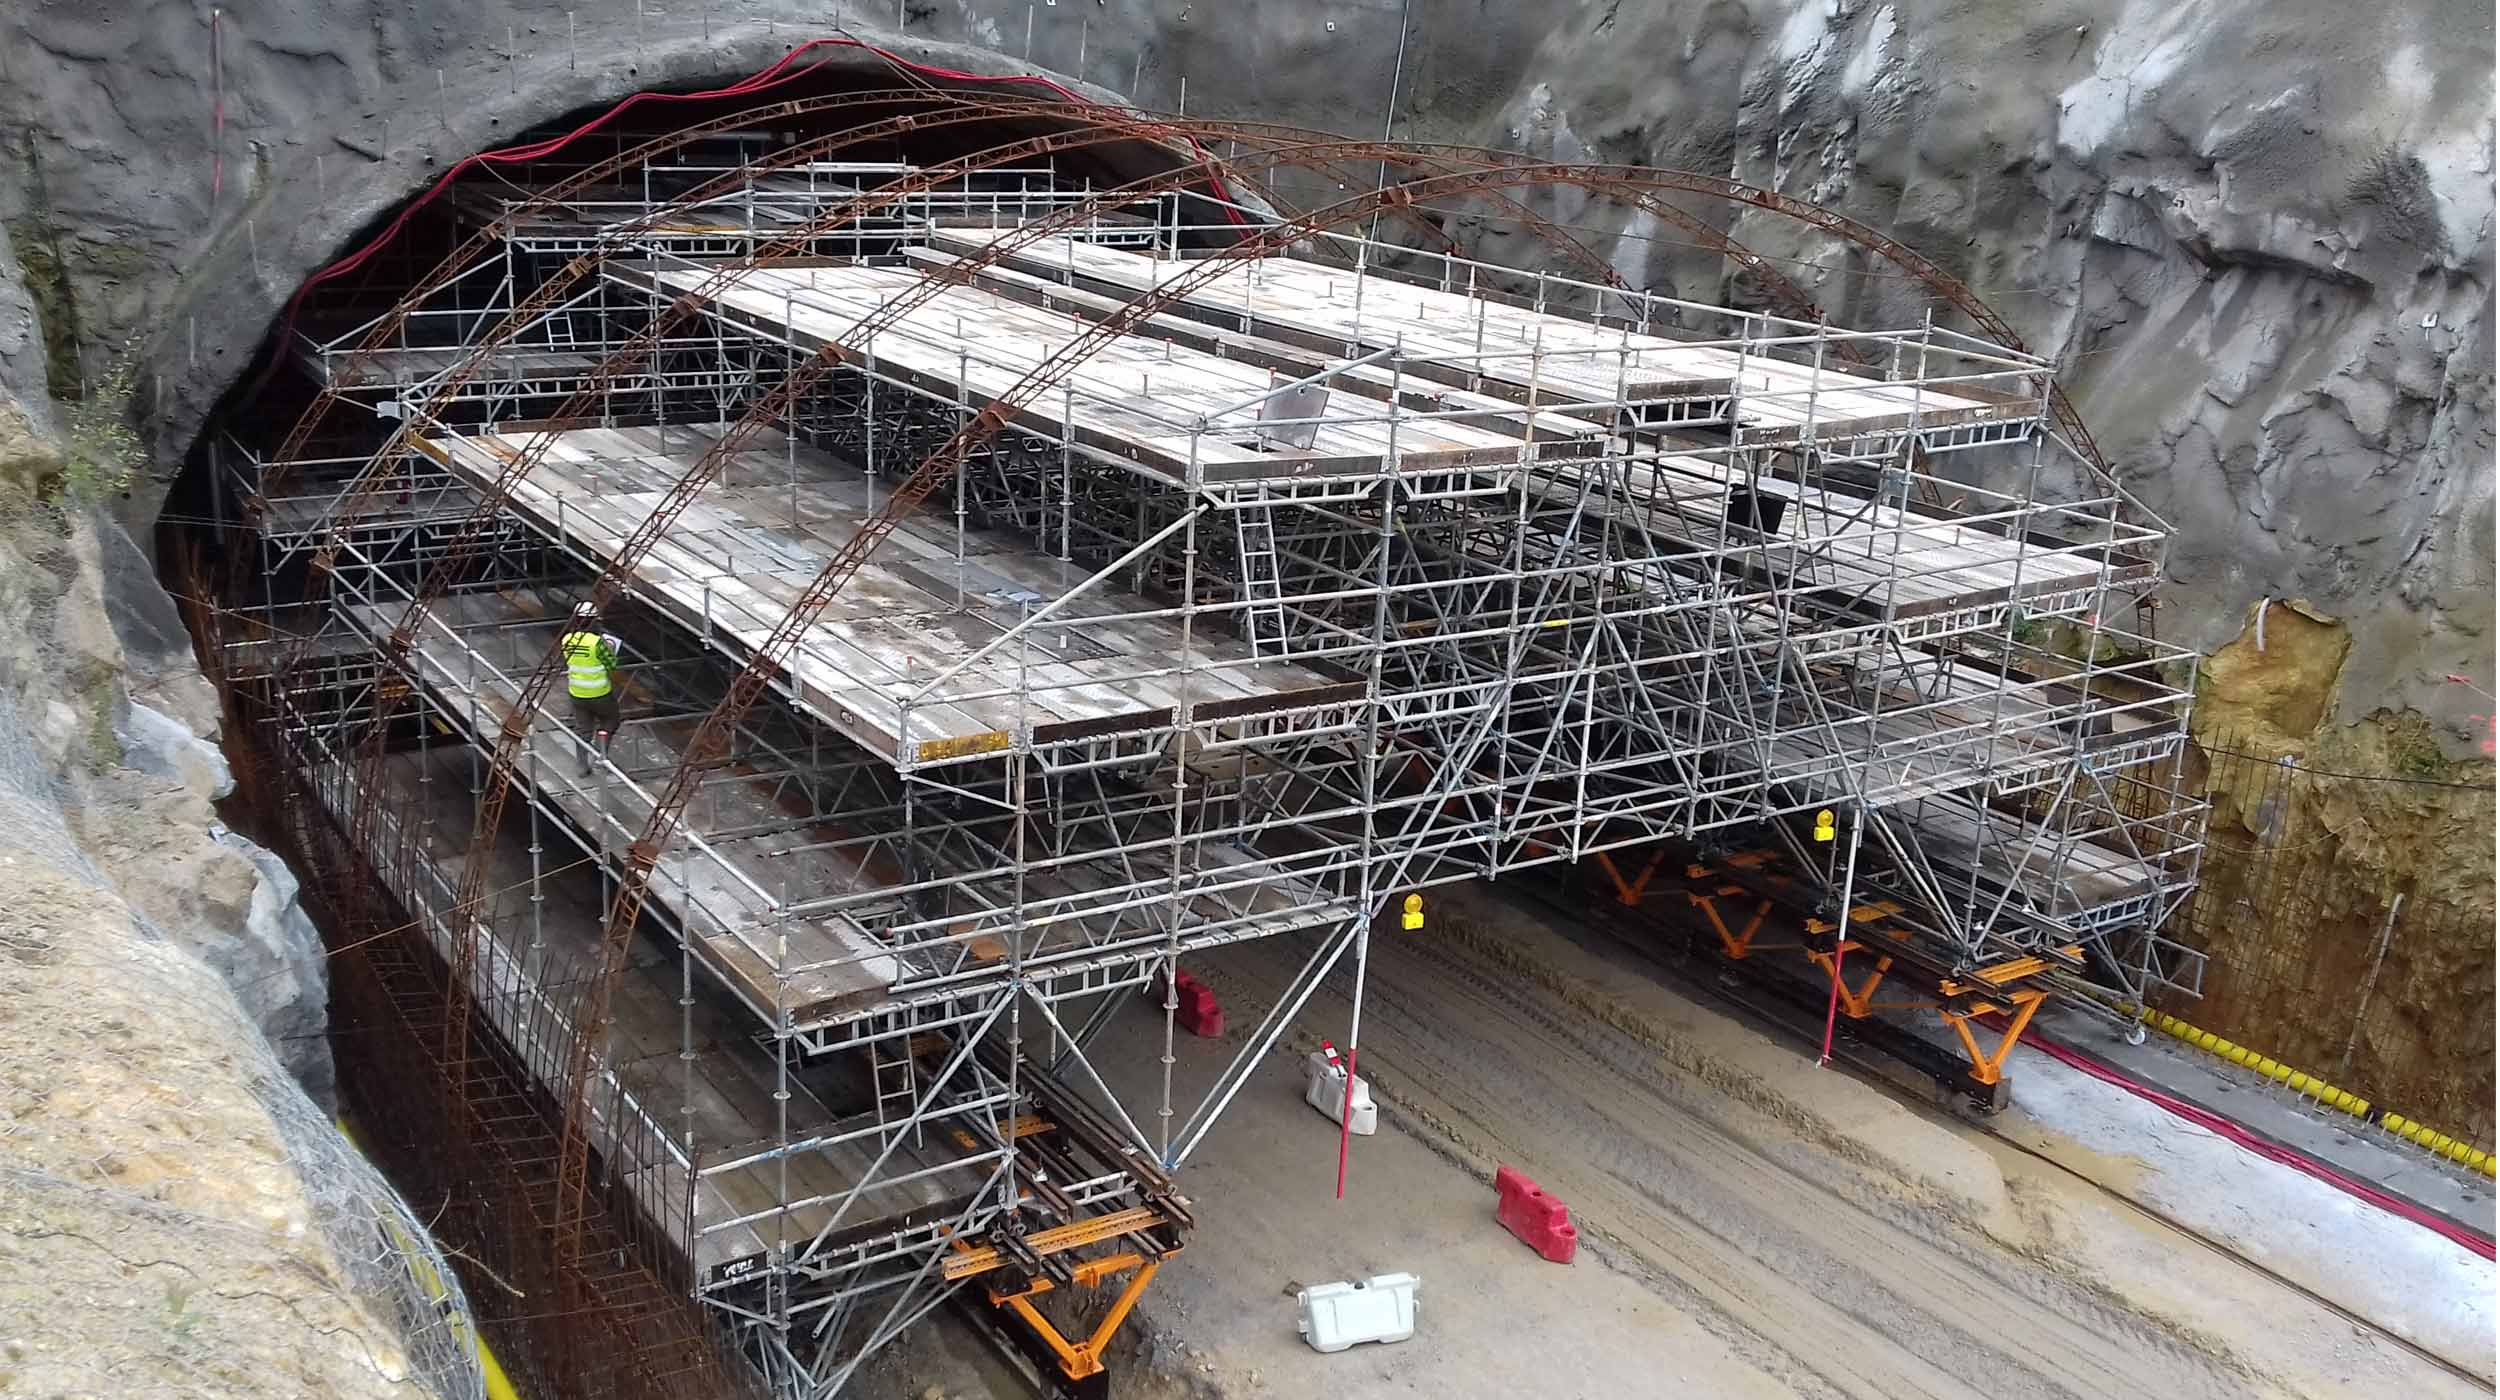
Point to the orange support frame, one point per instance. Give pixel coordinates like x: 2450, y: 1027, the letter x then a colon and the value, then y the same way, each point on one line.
x: 1989, y: 1067
x: 1856, y: 1002
x: 1081, y: 1359
x: 1630, y: 892
x: 1736, y: 944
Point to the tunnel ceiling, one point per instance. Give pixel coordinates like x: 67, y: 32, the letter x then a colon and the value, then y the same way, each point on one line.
x: 372, y: 268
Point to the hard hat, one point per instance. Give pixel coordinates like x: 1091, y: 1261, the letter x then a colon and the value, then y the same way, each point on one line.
x: 584, y: 612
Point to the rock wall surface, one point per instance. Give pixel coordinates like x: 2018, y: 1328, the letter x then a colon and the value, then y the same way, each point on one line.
x: 178, y: 1215
x: 2259, y: 236
x: 2259, y: 232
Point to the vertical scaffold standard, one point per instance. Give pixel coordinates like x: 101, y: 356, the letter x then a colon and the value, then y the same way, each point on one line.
x: 1033, y: 572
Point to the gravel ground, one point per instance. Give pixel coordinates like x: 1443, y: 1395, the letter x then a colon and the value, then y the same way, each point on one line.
x: 1751, y: 1226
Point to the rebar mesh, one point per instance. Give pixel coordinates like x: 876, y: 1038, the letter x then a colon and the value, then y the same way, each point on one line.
x: 474, y: 1137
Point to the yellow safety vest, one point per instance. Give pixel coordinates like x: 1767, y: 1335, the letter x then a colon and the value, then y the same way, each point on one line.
x: 586, y: 660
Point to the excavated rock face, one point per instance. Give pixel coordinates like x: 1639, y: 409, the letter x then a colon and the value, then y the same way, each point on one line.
x: 2259, y: 236
x: 169, y: 1224
x: 178, y: 1216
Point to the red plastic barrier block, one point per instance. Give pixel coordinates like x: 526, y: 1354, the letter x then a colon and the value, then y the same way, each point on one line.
x: 1540, y: 1221
x: 1198, y: 1013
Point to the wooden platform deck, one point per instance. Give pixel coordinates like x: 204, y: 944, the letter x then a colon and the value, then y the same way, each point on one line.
x: 410, y: 500
x: 2080, y: 882
x: 765, y: 859
x: 829, y: 965
x: 743, y: 553
x: 1309, y: 304
x: 1839, y: 565
x: 1136, y: 398
x: 1942, y: 563
x: 399, y: 369
x: 1890, y: 561
x: 1850, y: 555
x: 1562, y: 434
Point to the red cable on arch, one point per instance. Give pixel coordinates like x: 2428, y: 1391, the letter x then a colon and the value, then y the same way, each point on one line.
x: 753, y: 83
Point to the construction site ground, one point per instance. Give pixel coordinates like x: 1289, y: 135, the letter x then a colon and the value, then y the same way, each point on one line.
x: 2337, y: 1139
x: 1750, y: 1225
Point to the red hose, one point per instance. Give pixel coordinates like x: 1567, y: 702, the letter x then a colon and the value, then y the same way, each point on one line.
x: 2261, y: 1146
x: 754, y: 83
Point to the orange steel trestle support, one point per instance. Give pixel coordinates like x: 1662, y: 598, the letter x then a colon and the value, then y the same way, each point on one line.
x: 1855, y: 1003
x: 1629, y: 892
x: 1738, y: 914
x: 1079, y: 1360
x: 1735, y: 943
x: 1987, y: 1067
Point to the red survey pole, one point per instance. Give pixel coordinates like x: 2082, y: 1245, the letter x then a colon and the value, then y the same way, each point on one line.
x: 1345, y: 1112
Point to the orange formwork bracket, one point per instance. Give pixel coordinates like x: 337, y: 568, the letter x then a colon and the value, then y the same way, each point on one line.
x: 1630, y: 891
x: 1989, y: 1067
x: 1079, y: 1360
x: 1855, y: 1002
x: 1736, y: 943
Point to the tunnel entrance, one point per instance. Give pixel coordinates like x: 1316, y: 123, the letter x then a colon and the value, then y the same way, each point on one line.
x: 994, y: 548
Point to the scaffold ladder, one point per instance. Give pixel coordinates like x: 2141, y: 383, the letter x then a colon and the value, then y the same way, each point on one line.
x: 1262, y: 588
x: 896, y: 1082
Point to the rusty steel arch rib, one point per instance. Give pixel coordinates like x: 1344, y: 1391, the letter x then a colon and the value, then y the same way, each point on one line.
x: 461, y: 548
x: 471, y: 891
x: 614, y: 575
x: 1791, y: 299
x: 1623, y: 184
x: 1951, y: 288
x: 1618, y: 182
x: 1956, y: 293
x: 470, y: 252
x: 1152, y: 128
x: 369, y: 483
x: 753, y: 679
x: 360, y: 495
x: 437, y: 580
x: 465, y: 538
x: 747, y: 688
x: 1141, y: 125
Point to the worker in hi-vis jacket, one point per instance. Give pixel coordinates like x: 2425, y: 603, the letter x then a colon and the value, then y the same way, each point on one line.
x: 590, y: 675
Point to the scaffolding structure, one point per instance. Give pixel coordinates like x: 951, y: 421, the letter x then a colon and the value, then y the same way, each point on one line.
x: 1267, y: 584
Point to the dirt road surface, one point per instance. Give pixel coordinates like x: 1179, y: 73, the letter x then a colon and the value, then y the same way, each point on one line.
x: 1751, y: 1226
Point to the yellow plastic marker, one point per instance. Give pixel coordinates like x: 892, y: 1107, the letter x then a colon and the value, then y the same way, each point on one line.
x: 1824, y: 825
x: 1413, y: 918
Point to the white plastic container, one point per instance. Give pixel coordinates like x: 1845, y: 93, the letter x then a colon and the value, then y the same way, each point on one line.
x: 1323, y: 1088
x: 1377, y: 1309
